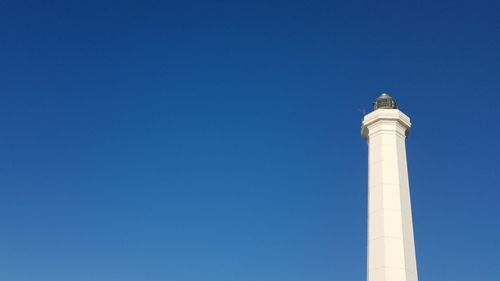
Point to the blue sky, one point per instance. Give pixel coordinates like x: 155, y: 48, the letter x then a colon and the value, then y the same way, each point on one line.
x: 220, y: 140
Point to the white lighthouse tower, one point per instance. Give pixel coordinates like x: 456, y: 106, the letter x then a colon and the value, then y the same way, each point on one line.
x: 391, y: 248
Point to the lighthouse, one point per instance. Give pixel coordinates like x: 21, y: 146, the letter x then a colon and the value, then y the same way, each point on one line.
x: 391, y: 246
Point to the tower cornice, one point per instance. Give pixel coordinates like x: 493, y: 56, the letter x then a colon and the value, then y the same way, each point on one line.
x: 394, y: 115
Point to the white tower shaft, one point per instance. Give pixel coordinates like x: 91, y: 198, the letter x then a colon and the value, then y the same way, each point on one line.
x: 391, y: 249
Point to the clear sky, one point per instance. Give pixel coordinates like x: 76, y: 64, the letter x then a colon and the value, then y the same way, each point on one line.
x: 220, y: 140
